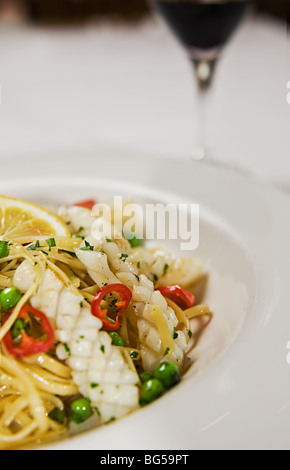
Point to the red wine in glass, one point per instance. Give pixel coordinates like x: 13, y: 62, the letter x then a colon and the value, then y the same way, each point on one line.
x: 203, y: 27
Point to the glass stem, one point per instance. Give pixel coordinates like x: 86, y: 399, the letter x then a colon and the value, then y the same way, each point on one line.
x: 204, y: 71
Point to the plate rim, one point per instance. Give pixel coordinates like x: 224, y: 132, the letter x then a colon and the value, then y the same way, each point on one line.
x: 81, y: 441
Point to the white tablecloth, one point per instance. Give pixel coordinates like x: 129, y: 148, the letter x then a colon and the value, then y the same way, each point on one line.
x: 132, y: 87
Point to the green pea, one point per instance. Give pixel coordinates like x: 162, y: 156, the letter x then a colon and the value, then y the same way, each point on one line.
x: 151, y: 390
x: 9, y: 297
x: 80, y: 410
x: 116, y: 339
x: 145, y: 376
x: 168, y: 374
x: 4, y: 250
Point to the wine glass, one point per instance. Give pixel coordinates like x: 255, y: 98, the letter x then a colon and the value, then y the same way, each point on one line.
x: 203, y: 27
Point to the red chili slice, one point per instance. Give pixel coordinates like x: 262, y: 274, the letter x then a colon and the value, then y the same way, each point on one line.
x: 28, y: 345
x: 181, y: 297
x: 87, y: 204
x: 125, y: 294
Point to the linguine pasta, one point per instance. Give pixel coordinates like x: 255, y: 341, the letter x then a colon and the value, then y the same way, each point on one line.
x: 61, y: 277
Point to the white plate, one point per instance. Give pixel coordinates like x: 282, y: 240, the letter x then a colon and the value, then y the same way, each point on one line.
x: 237, y: 395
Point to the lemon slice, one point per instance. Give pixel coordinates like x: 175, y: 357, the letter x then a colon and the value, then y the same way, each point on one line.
x: 24, y: 222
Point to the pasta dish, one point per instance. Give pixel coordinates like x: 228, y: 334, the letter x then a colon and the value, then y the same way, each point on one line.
x: 92, y: 328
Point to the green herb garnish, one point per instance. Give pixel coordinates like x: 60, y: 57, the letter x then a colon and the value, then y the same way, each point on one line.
x: 165, y: 269
x: 88, y: 247
x: 167, y: 350
x: 51, y: 243
x: 33, y: 246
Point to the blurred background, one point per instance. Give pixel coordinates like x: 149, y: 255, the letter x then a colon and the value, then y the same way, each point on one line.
x: 45, y: 11
x: 80, y: 75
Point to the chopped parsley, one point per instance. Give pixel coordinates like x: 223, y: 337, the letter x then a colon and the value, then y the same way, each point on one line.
x: 88, y: 247
x: 51, y: 243
x: 167, y: 350
x: 33, y: 246
x: 76, y: 235
x: 71, y: 253
x: 165, y: 269
x: 135, y: 242
x: 67, y: 349
x: 96, y: 410
x: 123, y: 257
x: 111, y: 420
x: 94, y: 385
